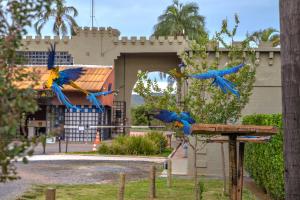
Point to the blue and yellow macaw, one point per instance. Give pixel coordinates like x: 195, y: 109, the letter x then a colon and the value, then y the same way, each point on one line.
x: 57, y: 79
x: 183, y: 120
x: 219, y: 80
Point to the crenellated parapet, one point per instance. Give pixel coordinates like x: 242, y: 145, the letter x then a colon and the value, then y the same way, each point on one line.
x: 94, y: 31
x: 46, y: 39
x: 161, y: 40
x: 80, y: 32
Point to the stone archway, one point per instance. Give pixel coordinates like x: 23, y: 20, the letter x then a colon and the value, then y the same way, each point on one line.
x: 128, y: 65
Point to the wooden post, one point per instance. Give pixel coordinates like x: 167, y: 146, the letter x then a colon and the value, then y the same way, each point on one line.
x: 169, y: 181
x: 152, y: 182
x: 122, y: 186
x: 232, y: 167
x: 241, y: 171
x: 50, y: 194
x: 223, y: 169
x: 67, y: 142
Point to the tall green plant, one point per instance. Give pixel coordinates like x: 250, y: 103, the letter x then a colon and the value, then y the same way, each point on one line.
x: 62, y: 15
x: 207, y: 102
x: 266, y: 35
x: 181, y: 20
x: 15, y: 18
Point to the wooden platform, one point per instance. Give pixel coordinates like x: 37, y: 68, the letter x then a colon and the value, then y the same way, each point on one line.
x: 221, y: 129
x: 231, y: 134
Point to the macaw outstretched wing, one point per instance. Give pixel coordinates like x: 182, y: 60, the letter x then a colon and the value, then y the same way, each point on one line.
x: 205, y: 75
x: 51, y: 57
x: 187, y: 117
x: 68, y: 75
x: 230, y: 70
x: 61, y: 97
x: 167, y: 116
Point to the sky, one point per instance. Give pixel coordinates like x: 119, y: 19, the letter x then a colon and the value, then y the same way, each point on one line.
x: 137, y: 17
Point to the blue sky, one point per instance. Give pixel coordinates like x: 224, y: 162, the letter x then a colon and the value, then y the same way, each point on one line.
x: 137, y: 17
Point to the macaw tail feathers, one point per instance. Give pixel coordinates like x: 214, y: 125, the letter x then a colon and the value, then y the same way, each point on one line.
x: 226, y: 85
x: 61, y: 97
x: 92, y: 97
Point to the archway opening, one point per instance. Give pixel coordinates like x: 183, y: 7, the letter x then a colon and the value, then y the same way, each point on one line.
x: 156, y: 84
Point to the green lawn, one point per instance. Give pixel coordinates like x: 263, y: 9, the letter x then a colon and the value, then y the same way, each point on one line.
x: 182, y: 190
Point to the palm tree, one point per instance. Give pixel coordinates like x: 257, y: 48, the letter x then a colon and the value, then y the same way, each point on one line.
x: 180, y: 20
x: 267, y: 35
x: 290, y: 67
x: 62, y: 16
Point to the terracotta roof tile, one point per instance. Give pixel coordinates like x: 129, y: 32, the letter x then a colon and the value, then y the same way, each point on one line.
x: 92, y: 80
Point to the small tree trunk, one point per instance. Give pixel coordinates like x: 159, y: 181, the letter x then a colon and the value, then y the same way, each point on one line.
x: 178, y: 90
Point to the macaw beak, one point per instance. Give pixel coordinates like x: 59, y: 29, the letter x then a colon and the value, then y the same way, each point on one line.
x: 178, y: 125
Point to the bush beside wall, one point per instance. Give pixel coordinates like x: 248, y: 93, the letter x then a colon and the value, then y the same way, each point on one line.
x: 151, y: 144
x: 264, y: 162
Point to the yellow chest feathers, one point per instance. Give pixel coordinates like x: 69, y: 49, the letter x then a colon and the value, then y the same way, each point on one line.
x: 53, y: 75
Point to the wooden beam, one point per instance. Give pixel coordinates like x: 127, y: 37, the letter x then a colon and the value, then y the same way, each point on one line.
x: 219, y: 129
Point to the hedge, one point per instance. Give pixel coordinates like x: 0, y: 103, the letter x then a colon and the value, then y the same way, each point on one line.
x: 152, y: 143
x: 264, y: 162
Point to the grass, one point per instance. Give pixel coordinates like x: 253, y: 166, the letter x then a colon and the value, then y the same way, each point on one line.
x: 182, y: 190
x: 164, y: 153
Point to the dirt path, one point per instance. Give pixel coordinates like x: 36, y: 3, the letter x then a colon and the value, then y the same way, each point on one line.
x: 71, y: 172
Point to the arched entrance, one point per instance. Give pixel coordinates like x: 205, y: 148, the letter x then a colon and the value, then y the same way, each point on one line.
x: 128, y: 65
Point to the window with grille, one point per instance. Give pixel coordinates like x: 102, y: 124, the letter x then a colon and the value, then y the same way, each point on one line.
x: 40, y: 57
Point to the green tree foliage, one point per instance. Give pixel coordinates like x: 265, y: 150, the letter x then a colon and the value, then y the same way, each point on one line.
x: 62, y: 15
x: 267, y: 35
x: 15, y: 17
x: 139, y: 115
x: 264, y: 162
x: 207, y: 102
x: 181, y: 20
x: 155, y: 98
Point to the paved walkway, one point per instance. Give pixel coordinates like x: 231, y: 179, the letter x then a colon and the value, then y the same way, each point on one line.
x: 179, y: 162
x: 64, y: 157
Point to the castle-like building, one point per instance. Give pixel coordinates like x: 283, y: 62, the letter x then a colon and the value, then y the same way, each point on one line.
x: 92, y: 47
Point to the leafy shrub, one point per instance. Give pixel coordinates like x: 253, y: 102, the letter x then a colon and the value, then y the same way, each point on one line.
x: 150, y: 144
x: 159, y: 139
x: 139, y: 115
x: 264, y: 162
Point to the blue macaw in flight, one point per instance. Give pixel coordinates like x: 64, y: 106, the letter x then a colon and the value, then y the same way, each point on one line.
x: 219, y: 80
x: 182, y: 120
x: 57, y: 79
